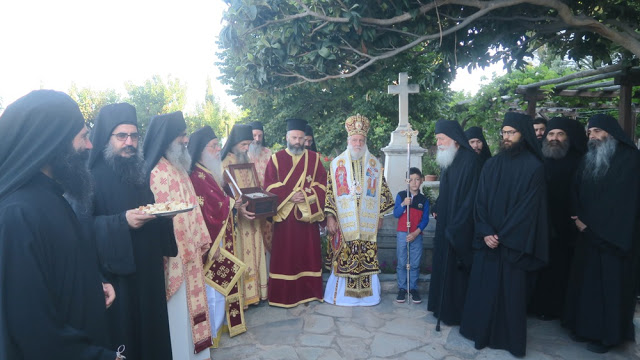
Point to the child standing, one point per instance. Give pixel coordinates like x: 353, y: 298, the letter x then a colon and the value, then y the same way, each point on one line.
x: 418, y: 206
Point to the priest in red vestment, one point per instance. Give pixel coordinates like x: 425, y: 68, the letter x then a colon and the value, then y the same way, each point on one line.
x: 298, y: 178
x: 224, y: 270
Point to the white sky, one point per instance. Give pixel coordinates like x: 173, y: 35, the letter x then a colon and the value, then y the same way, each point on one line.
x: 102, y: 44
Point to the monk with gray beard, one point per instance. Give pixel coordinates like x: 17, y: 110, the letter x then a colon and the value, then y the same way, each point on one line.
x: 600, y: 297
x: 250, y: 234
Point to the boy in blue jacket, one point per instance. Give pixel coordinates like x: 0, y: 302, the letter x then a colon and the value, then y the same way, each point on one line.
x: 418, y: 207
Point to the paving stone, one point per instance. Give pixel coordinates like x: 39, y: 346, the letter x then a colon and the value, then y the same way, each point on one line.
x: 279, y: 353
x: 278, y: 333
x: 331, y: 354
x: 318, y: 324
x: 353, y: 330
x: 386, y: 345
x: 316, y: 340
x: 407, y: 327
x: 367, y: 320
x: 434, y: 350
x: 236, y: 352
x: 309, y: 353
x: 334, y: 311
x: 353, y: 348
x: 303, y: 309
x: 264, y: 314
x: 458, y: 343
x: 416, y: 355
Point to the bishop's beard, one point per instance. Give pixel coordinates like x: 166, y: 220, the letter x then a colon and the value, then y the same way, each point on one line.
x: 69, y: 169
x: 357, y: 154
x: 555, y: 149
x: 446, y: 155
x: 598, y: 158
x: 213, y: 164
x: 255, y: 149
x: 512, y: 148
x: 129, y: 169
x: 179, y: 157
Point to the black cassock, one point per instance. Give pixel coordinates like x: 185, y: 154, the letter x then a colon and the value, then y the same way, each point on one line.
x: 551, y: 282
x: 600, y: 298
x: 133, y: 261
x: 452, y: 256
x: 51, y: 301
x: 510, y: 202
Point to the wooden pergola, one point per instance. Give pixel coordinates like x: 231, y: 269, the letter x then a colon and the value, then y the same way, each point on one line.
x: 607, y: 82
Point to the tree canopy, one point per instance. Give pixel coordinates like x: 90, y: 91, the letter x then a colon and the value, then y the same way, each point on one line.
x: 157, y: 96
x: 273, y: 44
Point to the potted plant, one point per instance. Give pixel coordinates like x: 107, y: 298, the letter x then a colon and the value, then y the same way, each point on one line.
x: 431, y: 169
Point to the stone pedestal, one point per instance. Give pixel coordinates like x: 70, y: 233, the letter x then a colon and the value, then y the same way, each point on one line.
x: 395, y: 162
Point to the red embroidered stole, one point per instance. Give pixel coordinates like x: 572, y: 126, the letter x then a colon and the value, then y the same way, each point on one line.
x: 224, y: 271
x: 193, y: 240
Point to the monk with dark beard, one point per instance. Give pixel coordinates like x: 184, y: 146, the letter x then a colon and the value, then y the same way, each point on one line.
x: 510, y: 240
x: 601, y: 297
x: 562, y: 147
x: 131, y: 243
x: 52, y: 302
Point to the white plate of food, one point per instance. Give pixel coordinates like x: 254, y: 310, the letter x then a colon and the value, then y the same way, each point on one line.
x: 168, y: 208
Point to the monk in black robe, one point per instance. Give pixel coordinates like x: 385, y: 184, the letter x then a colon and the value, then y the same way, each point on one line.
x: 561, y: 147
x: 511, y: 240
x: 131, y: 243
x: 478, y: 143
x: 452, y: 255
x: 52, y: 302
x: 601, y: 296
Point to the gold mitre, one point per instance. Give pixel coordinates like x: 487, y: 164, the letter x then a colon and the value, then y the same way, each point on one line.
x: 357, y: 125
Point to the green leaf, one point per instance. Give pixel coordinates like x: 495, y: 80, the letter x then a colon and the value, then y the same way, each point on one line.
x: 324, y: 52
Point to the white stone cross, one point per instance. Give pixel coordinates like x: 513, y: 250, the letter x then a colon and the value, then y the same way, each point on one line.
x: 403, y: 89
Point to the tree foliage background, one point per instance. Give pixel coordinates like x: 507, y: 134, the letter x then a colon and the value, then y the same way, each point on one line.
x: 324, y: 60
x: 157, y: 96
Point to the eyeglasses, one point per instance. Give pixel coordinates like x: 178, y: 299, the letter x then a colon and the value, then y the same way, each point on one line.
x: 508, y: 133
x: 124, y: 136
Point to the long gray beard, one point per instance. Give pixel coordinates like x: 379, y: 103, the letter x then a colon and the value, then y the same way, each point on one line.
x: 255, y: 150
x: 213, y: 164
x: 128, y: 169
x: 445, y: 156
x: 598, y: 158
x: 555, y: 151
x: 179, y: 157
x: 242, y: 157
x: 357, y: 155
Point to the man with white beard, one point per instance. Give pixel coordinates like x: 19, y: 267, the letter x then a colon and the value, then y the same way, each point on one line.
x: 452, y: 256
x: 250, y: 238
x: 167, y: 165
x: 259, y: 154
x: 357, y: 198
x: 600, y: 298
x: 222, y: 272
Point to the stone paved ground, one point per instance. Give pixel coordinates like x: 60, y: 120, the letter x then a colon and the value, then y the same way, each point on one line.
x: 386, y: 331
